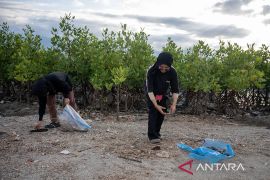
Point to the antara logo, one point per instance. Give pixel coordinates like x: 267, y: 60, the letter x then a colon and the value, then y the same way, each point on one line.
x: 212, y: 167
x: 185, y: 170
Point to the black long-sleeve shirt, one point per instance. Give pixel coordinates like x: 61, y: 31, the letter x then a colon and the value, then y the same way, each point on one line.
x: 158, y: 82
x: 50, y: 85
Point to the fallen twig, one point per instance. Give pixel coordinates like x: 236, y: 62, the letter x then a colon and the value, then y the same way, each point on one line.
x: 131, y: 159
x: 81, y: 150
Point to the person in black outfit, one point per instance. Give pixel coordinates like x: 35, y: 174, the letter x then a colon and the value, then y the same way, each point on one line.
x: 161, y: 77
x: 45, y: 89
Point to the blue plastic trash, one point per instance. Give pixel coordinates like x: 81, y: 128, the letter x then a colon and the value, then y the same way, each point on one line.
x: 212, y: 151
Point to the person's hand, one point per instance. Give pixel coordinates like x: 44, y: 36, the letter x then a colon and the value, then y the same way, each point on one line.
x: 160, y: 109
x: 66, y: 101
x: 172, y: 109
x: 38, y: 125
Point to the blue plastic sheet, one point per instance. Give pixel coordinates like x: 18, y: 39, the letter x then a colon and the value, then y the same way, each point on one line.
x: 212, y: 151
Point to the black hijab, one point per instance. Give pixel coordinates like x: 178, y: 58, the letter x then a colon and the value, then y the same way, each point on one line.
x: 164, y: 58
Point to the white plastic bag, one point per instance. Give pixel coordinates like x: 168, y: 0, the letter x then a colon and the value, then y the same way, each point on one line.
x: 70, y: 120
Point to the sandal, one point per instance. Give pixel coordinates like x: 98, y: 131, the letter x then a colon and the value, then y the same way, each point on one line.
x: 53, y: 125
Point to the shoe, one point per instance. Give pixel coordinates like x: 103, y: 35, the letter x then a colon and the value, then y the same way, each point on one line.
x: 154, y: 141
x: 159, y: 136
x: 53, y: 125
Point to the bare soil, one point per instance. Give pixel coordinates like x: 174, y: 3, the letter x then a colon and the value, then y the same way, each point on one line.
x: 120, y: 149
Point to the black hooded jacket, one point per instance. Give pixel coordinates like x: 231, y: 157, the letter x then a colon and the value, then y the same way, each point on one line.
x: 50, y: 85
x: 158, y: 82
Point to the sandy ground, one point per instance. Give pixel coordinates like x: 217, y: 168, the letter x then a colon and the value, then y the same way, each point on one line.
x: 120, y: 149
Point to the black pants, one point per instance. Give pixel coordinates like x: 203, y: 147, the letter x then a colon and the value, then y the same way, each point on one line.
x: 155, y: 120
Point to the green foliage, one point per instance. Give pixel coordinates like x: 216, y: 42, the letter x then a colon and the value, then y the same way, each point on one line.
x: 62, y: 42
x: 119, y: 75
x: 263, y: 63
x: 198, y: 69
x: 122, y: 58
x: 30, y: 56
x: 122, y: 49
x: 227, y: 68
x: 177, y: 53
x: 9, y: 45
x: 107, y: 58
x: 239, y: 70
x: 139, y: 57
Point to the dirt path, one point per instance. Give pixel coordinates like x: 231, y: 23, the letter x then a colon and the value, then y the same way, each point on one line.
x: 120, y: 150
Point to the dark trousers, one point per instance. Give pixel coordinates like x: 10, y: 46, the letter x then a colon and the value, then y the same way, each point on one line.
x: 155, y: 120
